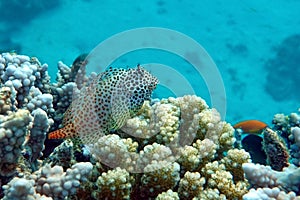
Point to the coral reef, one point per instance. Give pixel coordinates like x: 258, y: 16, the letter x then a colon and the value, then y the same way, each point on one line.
x: 48, y: 182
x: 168, y: 195
x: 296, y: 135
x: 35, y: 144
x: 281, y: 178
x: 177, y: 145
x: 287, y: 126
x: 26, y: 114
x: 114, y: 183
x: 275, y: 149
x: 260, y: 176
x: 13, y: 130
x: 267, y: 193
x: 174, y: 148
x: 190, y: 185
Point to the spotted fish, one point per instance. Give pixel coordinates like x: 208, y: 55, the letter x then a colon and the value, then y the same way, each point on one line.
x: 106, y: 103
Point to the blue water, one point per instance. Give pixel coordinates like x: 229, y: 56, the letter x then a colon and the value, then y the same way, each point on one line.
x: 246, y: 40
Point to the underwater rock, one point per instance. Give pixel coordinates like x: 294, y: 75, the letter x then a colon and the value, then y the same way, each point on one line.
x: 275, y: 149
x: 284, y: 126
x: 283, y: 70
x: 24, y: 11
x: 253, y: 145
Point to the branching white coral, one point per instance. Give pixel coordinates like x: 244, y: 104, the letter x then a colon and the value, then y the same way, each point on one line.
x: 35, y: 144
x: 13, y: 129
x: 54, y: 182
x: 263, y: 176
x: 296, y: 134
x: 269, y: 193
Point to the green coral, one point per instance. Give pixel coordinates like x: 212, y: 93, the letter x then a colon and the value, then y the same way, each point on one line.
x: 168, y: 195
x: 189, y: 158
x: 222, y: 180
x: 159, y: 178
x: 114, y: 184
x: 190, y: 185
x: 233, y: 162
x: 209, y: 194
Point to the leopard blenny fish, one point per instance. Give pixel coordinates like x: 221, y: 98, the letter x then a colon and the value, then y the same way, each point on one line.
x: 106, y: 103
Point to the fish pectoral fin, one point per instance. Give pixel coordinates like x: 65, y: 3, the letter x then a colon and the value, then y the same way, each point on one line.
x: 67, y: 131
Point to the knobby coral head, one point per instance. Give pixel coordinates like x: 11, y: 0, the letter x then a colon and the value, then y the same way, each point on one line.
x: 106, y: 103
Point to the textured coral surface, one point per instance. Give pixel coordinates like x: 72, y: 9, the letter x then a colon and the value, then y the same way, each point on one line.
x: 173, y: 148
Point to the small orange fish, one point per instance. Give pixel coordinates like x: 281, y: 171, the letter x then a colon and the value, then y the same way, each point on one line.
x: 251, y: 126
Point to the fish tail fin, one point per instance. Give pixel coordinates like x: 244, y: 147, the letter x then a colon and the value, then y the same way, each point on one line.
x: 66, y: 132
